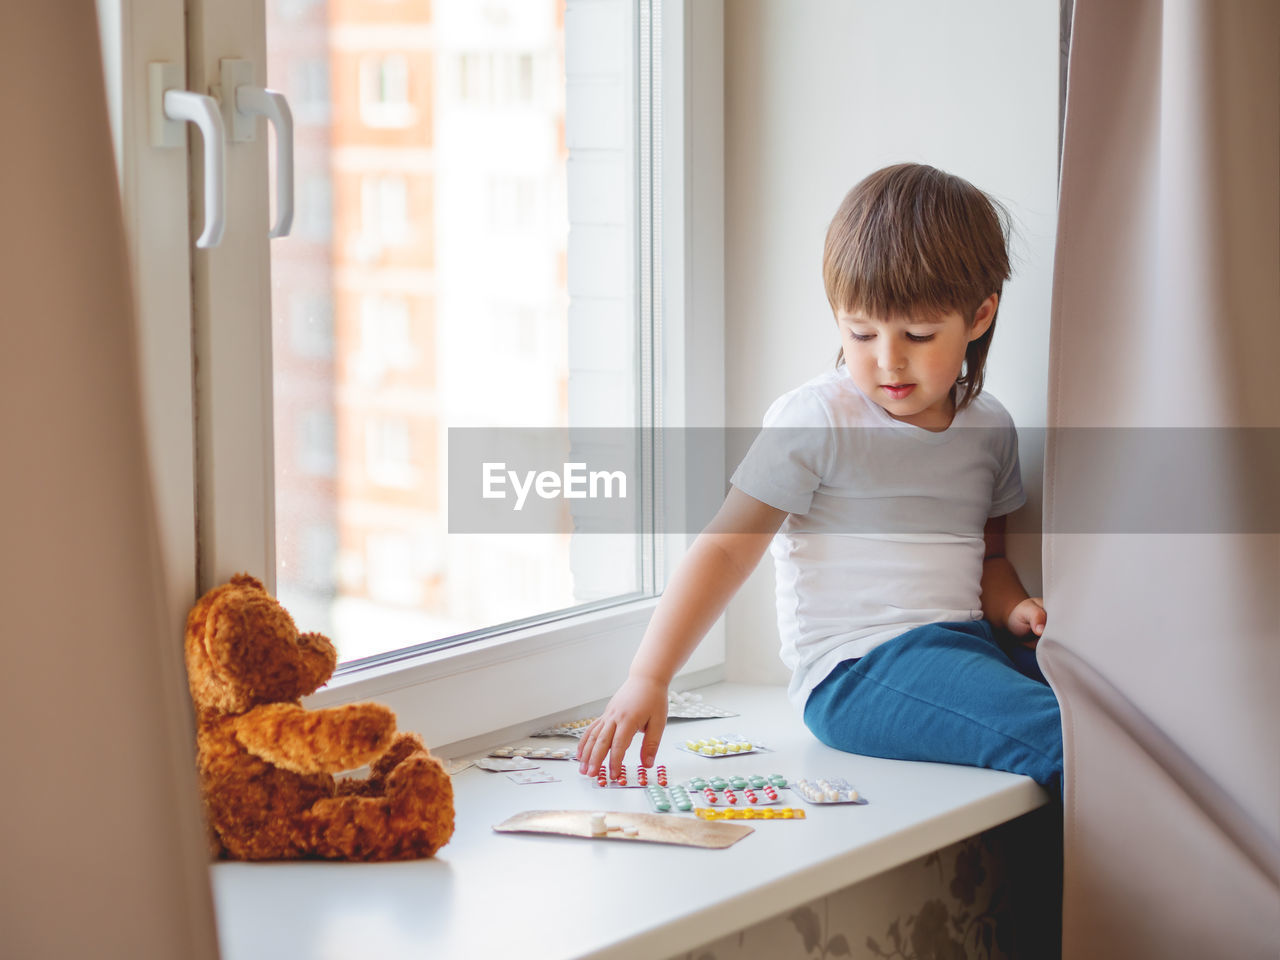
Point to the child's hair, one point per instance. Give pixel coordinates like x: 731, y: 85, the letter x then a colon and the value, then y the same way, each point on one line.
x: 910, y: 239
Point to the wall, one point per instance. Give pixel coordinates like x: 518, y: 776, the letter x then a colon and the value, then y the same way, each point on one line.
x: 819, y: 93
x: 981, y: 899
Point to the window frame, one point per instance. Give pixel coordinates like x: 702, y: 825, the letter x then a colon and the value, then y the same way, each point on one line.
x: 455, y: 692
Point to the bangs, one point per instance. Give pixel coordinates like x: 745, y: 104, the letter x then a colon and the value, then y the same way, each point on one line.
x: 912, y: 240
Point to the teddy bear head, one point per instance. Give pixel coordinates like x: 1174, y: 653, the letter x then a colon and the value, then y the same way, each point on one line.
x: 243, y: 649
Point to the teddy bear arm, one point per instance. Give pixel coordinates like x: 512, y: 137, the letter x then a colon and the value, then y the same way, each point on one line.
x: 316, y: 741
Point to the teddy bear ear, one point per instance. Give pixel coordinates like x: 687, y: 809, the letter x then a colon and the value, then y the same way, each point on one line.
x: 246, y: 580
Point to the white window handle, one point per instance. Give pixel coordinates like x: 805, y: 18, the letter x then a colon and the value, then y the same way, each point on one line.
x: 170, y: 108
x: 273, y: 106
x: 242, y: 101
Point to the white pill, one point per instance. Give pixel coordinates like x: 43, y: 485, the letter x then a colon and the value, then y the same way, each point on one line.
x: 598, y: 827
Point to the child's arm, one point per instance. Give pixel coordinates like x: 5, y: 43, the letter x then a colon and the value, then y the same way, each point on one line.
x: 1004, y: 599
x: 718, y: 562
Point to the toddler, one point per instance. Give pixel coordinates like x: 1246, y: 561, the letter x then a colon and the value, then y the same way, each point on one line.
x: 883, y: 486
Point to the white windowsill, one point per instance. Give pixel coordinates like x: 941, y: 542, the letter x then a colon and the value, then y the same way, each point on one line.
x: 500, y: 895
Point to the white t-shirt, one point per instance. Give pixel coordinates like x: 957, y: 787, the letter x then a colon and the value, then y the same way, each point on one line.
x: 885, y: 522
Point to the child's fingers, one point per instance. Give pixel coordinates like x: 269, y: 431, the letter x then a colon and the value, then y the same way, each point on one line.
x: 622, y: 735
x: 652, y: 737
x: 594, y: 754
x: 585, y: 743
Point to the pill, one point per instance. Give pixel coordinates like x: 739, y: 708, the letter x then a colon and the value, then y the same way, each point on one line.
x: 598, y: 827
x: 707, y: 751
x: 642, y: 777
x: 630, y: 830
x: 698, y: 783
x: 718, y: 783
x: 778, y: 780
x: 730, y: 797
x: 757, y: 781
x: 691, y: 744
x: 737, y: 782
x: 684, y: 805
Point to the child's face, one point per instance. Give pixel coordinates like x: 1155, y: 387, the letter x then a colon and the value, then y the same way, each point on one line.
x: 909, y: 365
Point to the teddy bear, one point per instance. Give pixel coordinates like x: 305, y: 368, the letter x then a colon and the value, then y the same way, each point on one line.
x: 266, y: 763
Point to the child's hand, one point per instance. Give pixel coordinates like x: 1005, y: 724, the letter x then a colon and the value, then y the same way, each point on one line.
x: 1028, y: 617
x: 640, y: 704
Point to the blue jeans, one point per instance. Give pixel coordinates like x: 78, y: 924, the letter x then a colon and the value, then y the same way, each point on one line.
x: 944, y: 692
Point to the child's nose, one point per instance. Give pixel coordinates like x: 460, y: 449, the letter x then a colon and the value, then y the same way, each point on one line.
x: 890, y: 356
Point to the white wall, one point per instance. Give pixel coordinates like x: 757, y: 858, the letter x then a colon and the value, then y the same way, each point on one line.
x: 819, y: 93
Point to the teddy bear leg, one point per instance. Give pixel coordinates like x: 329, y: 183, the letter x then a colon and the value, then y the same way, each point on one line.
x: 402, y: 746
x: 420, y: 805
x: 375, y: 785
x: 413, y: 819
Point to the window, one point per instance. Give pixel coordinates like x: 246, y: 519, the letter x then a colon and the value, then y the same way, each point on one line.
x: 384, y: 91
x: 311, y: 99
x: 483, y: 229
x: 384, y: 209
x: 317, y: 454
x: 389, y: 453
x: 311, y: 326
x: 496, y: 79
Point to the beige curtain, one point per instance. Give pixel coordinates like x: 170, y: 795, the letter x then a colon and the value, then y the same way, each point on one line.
x: 1162, y: 554
x: 102, y: 853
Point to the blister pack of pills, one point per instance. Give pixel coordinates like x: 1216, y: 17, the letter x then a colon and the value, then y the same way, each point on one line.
x: 535, y: 753
x: 735, y: 791
x: 730, y: 745
x: 689, y: 706
x: 750, y: 813
x: 572, y: 728
x: 680, y: 706
x: 827, y: 790
x: 640, y: 778
x: 675, y: 799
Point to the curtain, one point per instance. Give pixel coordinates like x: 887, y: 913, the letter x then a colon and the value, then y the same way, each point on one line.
x: 1162, y: 533
x: 101, y: 843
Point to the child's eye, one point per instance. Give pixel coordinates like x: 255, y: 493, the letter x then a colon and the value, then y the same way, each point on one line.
x: 861, y: 337
x: 924, y: 338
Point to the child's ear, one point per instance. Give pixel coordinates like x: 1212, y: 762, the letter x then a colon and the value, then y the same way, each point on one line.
x: 984, y: 316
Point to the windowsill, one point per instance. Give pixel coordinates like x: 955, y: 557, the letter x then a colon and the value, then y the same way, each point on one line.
x: 496, y: 895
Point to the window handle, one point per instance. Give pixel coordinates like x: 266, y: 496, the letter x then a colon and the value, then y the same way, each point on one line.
x: 273, y: 106
x: 171, y: 107
x: 243, y: 100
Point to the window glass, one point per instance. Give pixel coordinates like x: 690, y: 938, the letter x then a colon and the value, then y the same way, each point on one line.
x: 464, y: 255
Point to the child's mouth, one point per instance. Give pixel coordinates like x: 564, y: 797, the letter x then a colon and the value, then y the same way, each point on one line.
x: 898, y: 390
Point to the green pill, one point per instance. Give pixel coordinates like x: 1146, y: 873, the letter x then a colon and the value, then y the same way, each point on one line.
x: 778, y: 780
x: 684, y: 805
x: 698, y: 783
x: 738, y: 783
x: 718, y: 783
x: 757, y: 782
x: 663, y: 806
